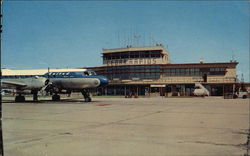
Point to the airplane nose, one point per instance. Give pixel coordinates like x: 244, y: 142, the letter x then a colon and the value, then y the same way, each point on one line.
x: 47, y: 82
x: 103, y: 81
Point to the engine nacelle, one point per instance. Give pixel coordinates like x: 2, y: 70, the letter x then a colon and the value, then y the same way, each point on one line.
x: 35, y: 83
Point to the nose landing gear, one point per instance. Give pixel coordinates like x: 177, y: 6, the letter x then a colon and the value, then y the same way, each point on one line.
x: 86, y: 95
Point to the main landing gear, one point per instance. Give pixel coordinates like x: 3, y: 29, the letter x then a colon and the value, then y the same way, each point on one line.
x: 35, y: 97
x: 86, y: 95
x: 20, y: 98
x: 55, y: 97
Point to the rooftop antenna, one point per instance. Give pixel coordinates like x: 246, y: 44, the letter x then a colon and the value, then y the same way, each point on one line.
x: 153, y: 41
x: 137, y: 38
x: 125, y: 40
x: 128, y: 39
x: 242, y: 77
x: 150, y: 40
x: 144, y: 39
x: 131, y: 37
x: 233, y: 57
x: 119, y: 40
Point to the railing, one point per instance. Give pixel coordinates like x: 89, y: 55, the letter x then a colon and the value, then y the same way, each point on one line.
x: 173, y: 80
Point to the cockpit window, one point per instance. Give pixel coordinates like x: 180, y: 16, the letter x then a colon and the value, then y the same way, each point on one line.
x: 89, y: 73
x: 86, y: 73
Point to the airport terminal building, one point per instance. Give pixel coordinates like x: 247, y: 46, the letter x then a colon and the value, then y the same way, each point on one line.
x: 148, y: 71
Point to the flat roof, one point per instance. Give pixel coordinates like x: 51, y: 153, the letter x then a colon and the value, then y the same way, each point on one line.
x: 146, y: 48
x: 170, y: 64
x: 37, y: 71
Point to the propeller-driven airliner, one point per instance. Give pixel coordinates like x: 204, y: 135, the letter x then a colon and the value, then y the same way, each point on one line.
x: 54, y: 81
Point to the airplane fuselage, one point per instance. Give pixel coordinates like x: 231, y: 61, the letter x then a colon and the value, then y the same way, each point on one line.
x: 53, y: 81
x: 76, y: 80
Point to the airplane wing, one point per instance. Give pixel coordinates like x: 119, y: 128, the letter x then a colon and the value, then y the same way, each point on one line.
x: 12, y: 84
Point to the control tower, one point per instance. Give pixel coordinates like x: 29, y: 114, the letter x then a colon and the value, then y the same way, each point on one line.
x: 135, y: 56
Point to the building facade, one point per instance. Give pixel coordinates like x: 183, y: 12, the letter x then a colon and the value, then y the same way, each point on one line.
x: 148, y: 71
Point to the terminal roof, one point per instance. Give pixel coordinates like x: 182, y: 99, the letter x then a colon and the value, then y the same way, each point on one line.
x: 37, y: 71
x: 146, y: 48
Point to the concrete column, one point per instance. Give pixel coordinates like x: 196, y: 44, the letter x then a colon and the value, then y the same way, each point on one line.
x: 106, y: 90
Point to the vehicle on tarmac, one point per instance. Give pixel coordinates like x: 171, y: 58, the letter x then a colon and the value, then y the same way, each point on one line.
x: 200, y: 90
x: 241, y: 93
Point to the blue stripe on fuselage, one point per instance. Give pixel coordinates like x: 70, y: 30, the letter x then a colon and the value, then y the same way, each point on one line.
x: 53, y: 75
x: 72, y: 75
x: 61, y: 75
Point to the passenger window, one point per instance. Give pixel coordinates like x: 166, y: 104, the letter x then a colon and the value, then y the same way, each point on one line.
x: 93, y: 73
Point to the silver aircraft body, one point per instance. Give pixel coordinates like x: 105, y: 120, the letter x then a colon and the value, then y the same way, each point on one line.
x: 54, y: 81
x: 22, y: 84
x: 80, y: 81
x: 33, y: 83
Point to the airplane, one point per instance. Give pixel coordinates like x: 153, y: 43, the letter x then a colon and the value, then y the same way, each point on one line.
x: 200, y: 90
x: 22, y: 84
x: 56, y: 81
x: 73, y: 81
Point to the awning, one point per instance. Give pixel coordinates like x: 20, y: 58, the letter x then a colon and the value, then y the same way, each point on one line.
x: 157, y: 85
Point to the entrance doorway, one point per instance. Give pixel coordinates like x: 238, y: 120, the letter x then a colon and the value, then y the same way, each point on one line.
x: 157, y: 90
x: 204, y: 77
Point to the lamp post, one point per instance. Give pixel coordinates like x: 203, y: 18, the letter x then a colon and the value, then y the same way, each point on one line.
x: 1, y: 133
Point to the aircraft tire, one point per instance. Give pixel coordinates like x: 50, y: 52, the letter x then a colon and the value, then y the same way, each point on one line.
x: 244, y: 97
x: 87, y: 99
x: 19, y: 99
x: 235, y: 96
x: 55, y: 97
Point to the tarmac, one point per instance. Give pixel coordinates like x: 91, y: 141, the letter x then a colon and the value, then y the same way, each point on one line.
x: 127, y: 127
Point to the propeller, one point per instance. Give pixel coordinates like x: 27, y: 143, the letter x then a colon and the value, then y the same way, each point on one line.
x: 48, y: 84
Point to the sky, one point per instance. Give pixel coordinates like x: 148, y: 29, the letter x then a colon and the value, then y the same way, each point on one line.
x: 72, y: 34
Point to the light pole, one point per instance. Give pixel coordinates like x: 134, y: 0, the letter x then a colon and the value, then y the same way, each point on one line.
x: 1, y: 133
